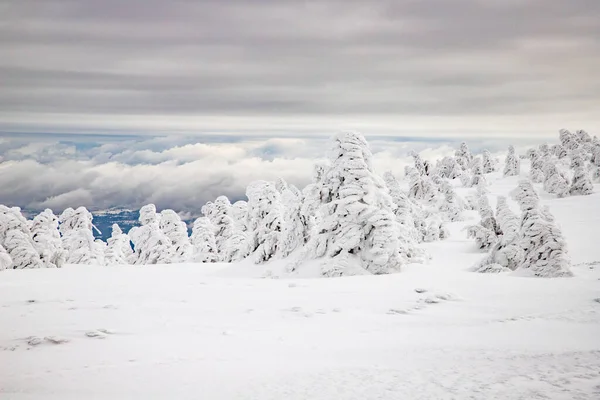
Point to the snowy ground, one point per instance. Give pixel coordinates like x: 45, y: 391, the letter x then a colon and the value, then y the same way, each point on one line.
x: 434, y: 331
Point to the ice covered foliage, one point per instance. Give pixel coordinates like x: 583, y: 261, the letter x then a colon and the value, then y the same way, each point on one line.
x: 176, y: 230
x: 358, y: 218
x: 463, y: 156
x: 556, y: 180
x: 78, y: 238
x: 265, y: 220
x: 203, y: 241
x: 46, y: 239
x: 150, y: 244
x: 436, y: 230
x: 544, y: 248
x: 512, y: 164
x: 118, y: 250
x: 581, y: 184
x: 558, y: 150
x: 5, y: 260
x: 294, y: 233
x: 489, y: 164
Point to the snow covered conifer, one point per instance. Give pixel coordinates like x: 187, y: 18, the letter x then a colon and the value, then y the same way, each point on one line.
x: 358, y: 219
x: 21, y: 250
x: 421, y: 188
x: 488, y: 163
x: 294, y: 231
x: 239, y: 214
x: 78, y: 238
x: 118, y: 249
x: 150, y: 244
x: 176, y: 230
x: 582, y: 184
x: 555, y: 180
x: 203, y: 241
x: 463, y: 156
x: 569, y: 140
x: 452, y: 204
x: 265, y: 216
x: 15, y: 237
x: 543, y: 245
x: 558, y: 150
x: 5, y: 260
x: 477, y: 168
x: 512, y: 164
x: 218, y: 213
x: 419, y: 165
x: 46, y: 239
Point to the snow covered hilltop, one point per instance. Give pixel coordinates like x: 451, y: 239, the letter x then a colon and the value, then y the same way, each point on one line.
x: 350, y: 219
x: 457, y: 322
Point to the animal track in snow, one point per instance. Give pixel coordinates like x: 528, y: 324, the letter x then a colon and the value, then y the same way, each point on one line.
x: 424, y: 302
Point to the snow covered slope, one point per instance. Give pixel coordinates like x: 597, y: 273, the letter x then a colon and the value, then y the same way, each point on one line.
x: 433, y: 331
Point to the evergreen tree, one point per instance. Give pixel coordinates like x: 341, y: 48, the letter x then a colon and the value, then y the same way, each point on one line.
x: 512, y: 164
x: 203, y: 241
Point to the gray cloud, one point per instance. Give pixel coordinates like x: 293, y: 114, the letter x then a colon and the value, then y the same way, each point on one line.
x: 300, y: 66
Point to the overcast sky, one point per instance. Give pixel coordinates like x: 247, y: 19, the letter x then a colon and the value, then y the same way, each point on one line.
x: 435, y: 67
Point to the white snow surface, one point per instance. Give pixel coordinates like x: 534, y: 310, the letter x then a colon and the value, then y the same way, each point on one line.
x: 215, y: 331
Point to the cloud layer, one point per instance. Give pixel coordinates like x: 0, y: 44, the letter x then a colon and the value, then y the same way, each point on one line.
x: 181, y: 173
x: 435, y: 67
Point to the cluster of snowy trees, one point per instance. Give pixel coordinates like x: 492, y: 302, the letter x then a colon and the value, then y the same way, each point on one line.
x: 351, y: 218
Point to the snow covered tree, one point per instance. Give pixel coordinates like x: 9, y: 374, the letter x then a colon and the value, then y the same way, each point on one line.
x: 176, y: 230
x: 5, y: 260
x: 489, y: 165
x: 512, y: 164
x: 78, y: 239
x: 463, y: 156
x: 536, y: 173
x: 558, y: 150
x: 436, y: 230
x: 358, y: 219
x: 46, y: 239
x: 405, y: 213
x: 582, y: 184
x: 487, y: 231
x: 506, y: 253
x: 569, y: 140
x: 421, y: 188
x: 239, y: 214
x: 452, y: 205
x: 21, y: 250
x: 15, y: 237
x: 118, y: 250
x: 447, y: 167
x: 477, y: 168
x: 265, y: 217
x: 419, y: 164
x: 218, y: 213
x: 294, y: 233
x: 544, y: 248
x: 555, y: 180
x: 150, y: 244
x: 203, y: 241
x: 583, y: 136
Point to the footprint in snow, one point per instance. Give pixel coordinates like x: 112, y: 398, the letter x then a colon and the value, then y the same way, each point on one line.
x: 99, y: 333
